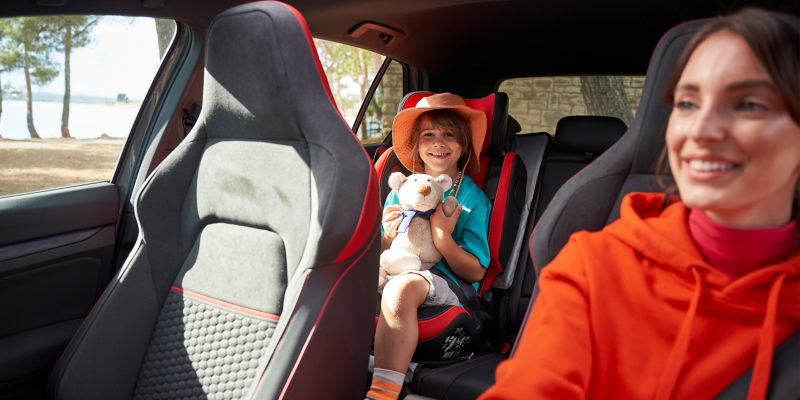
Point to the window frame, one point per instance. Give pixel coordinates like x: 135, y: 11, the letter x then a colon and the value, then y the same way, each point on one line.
x: 371, y: 92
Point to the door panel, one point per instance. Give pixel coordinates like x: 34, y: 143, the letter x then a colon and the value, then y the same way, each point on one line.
x: 48, y: 285
x: 53, y: 212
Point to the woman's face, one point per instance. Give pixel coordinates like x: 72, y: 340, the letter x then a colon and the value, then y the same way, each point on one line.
x: 734, y: 150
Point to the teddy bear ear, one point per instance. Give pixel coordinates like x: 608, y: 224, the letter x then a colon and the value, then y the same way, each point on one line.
x: 396, y: 180
x: 445, y: 181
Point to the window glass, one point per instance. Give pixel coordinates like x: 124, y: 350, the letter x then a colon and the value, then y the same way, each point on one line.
x: 350, y: 71
x: 71, y: 89
x: 538, y: 103
x: 377, y: 122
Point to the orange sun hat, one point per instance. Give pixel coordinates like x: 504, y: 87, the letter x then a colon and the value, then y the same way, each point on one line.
x: 403, y: 127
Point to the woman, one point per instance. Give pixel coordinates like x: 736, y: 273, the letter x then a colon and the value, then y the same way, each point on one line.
x: 679, y: 301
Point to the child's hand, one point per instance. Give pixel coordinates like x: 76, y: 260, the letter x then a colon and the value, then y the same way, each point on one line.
x: 442, y: 226
x: 391, y: 222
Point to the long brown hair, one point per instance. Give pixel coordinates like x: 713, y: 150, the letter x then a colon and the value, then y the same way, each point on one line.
x: 444, y: 119
x: 775, y: 39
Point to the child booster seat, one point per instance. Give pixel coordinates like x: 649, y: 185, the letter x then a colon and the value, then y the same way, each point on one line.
x: 447, y: 332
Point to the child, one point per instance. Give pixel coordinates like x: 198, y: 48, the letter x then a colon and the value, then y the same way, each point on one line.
x: 440, y: 136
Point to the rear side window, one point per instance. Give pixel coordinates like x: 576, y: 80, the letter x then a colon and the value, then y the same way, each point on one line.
x: 72, y: 87
x: 350, y: 71
x: 377, y: 122
x: 538, y: 103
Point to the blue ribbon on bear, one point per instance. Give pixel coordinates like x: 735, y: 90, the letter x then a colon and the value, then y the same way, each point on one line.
x: 407, y: 216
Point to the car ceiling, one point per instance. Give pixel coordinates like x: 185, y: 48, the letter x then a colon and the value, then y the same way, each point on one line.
x: 476, y: 40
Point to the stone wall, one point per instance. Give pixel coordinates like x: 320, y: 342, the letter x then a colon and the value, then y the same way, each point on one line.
x: 391, y: 89
x: 538, y: 103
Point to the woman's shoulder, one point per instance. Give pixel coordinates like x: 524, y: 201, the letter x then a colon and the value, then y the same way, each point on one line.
x: 591, y: 254
x: 594, y: 246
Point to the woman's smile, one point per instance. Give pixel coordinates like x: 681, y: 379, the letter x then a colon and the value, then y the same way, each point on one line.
x: 710, y: 168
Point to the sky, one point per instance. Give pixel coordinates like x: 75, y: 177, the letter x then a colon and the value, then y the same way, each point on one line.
x: 121, y: 58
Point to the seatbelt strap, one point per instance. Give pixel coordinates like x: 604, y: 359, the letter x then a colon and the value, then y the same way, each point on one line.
x: 468, y: 297
x: 784, y: 379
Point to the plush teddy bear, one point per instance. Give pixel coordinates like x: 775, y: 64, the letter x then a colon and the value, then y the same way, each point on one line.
x: 413, y: 249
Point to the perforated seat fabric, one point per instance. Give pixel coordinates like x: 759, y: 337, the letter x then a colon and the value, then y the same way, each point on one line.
x: 258, y: 241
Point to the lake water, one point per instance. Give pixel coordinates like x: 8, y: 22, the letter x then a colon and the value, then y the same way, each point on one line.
x: 86, y: 121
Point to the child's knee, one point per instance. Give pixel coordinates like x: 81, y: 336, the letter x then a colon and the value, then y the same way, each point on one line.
x: 408, y: 290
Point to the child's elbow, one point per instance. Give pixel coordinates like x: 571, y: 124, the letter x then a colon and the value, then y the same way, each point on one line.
x: 477, y: 274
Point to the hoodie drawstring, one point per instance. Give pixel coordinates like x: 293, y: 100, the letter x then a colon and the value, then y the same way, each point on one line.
x: 766, y: 345
x: 675, y: 361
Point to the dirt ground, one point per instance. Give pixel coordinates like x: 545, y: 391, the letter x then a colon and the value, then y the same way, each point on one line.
x: 38, y: 164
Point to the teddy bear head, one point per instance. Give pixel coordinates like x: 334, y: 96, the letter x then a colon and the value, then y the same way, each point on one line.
x: 420, y: 192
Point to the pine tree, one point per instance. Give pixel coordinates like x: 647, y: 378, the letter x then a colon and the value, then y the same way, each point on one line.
x: 10, y: 56
x: 35, y: 37
x: 73, y: 32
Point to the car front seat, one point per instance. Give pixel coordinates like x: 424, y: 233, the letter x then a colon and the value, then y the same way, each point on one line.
x: 254, y: 273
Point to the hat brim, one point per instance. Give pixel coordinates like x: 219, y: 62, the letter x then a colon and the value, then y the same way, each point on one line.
x: 404, y: 125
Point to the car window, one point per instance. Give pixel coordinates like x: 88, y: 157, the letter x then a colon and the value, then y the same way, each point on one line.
x: 350, y: 72
x: 377, y: 122
x: 538, y: 103
x: 71, y: 89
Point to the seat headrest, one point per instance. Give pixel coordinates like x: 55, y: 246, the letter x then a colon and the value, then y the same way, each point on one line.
x: 582, y: 134
x: 250, y: 94
x: 495, y: 106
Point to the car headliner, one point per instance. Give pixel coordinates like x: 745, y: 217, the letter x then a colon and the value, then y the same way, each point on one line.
x: 476, y: 40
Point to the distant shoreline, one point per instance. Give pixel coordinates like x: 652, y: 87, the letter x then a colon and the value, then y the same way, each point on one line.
x: 77, y: 99
x: 15, y: 143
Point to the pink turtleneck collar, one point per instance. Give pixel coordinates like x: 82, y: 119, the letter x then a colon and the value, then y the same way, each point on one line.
x: 737, y: 252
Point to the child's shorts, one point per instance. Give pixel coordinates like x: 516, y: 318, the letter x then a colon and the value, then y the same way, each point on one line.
x: 439, y: 293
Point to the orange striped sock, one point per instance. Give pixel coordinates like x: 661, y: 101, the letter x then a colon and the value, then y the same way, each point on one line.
x: 386, y: 385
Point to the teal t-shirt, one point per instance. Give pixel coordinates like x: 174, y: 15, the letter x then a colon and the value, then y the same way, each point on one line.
x: 472, y: 228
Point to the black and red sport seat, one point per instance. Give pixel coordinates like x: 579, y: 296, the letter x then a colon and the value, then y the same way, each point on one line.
x: 258, y: 235
x: 445, y: 331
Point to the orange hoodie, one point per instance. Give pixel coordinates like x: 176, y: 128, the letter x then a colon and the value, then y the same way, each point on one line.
x: 635, y: 312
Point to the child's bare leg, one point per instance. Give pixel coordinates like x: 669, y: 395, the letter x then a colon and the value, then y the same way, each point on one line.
x: 397, y: 332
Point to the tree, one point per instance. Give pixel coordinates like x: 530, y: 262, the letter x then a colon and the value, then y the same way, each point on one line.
x: 10, y: 57
x: 344, y: 64
x: 35, y: 37
x: 165, y: 29
x: 72, y: 31
x: 605, y: 95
